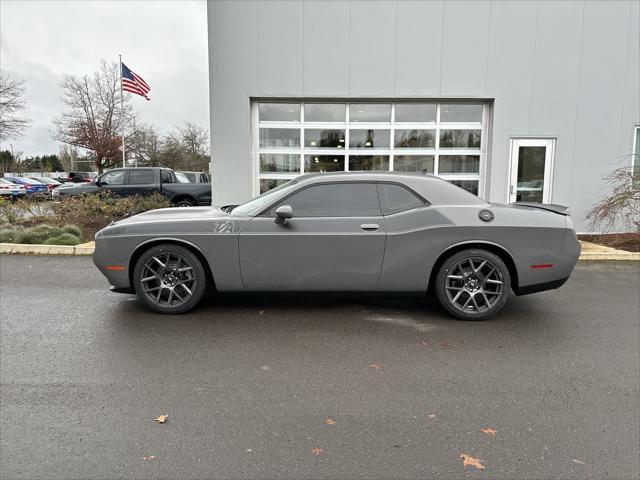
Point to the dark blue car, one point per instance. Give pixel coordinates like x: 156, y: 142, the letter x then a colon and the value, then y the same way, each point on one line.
x: 32, y: 186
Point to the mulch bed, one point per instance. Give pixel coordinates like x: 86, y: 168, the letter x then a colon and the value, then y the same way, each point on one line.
x: 623, y: 241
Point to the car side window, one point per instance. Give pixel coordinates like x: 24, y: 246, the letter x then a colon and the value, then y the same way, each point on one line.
x: 140, y: 177
x: 166, y: 177
x: 396, y: 198
x: 334, y: 200
x: 115, y: 177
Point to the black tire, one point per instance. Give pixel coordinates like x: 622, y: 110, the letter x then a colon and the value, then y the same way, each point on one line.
x: 482, y: 289
x: 176, y: 271
x: 185, y: 202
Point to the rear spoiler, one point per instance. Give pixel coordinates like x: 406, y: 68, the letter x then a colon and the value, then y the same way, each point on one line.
x: 550, y: 207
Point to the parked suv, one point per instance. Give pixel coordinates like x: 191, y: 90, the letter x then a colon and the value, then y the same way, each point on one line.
x: 143, y: 181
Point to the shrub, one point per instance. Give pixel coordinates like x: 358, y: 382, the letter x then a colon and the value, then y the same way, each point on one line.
x: 63, y: 239
x: 95, y: 211
x: 73, y: 230
x: 10, y: 235
x: 41, y: 235
x: 621, y: 209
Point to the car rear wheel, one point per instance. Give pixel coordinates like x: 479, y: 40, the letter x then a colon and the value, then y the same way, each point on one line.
x: 185, y: 202
x: 169, y: 279
x: 473, y: 284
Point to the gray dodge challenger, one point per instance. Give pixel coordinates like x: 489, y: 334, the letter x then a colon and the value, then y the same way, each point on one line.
x: 381, y: 232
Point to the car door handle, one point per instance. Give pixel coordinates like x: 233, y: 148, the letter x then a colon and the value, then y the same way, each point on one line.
x: 369, y: 227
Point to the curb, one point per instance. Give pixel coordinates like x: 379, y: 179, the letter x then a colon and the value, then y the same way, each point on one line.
x: 590, y: 251
x: 593, y: 251
x: 16, y: 248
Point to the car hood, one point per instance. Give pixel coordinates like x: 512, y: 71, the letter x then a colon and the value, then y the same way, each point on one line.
x: 174, y: 214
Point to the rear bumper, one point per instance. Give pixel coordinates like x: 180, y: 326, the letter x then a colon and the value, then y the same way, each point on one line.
x: 121, y: 289
x: 540, y: 287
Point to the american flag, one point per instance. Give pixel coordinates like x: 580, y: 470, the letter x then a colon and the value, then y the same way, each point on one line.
x: 134, y: 83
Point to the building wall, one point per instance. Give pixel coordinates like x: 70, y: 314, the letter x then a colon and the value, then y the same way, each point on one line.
x: 562, y: 69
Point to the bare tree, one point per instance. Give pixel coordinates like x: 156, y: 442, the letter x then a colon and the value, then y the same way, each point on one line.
x: 68, y: 156
x: 93, y: 119
x: 144, y: 144
x: 195, y: 142
x: 12, y: 123
x: 621, y: 209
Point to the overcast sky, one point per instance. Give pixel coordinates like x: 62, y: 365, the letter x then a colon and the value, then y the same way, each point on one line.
x: 163, y: 41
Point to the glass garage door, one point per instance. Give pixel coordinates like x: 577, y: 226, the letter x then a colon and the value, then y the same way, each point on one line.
x: 445, y: 139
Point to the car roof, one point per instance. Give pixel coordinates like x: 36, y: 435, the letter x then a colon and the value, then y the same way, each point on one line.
x: 435, y: 189
x: 371, y: 176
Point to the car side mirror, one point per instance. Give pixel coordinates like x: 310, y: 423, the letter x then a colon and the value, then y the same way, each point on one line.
x: 283, y: 213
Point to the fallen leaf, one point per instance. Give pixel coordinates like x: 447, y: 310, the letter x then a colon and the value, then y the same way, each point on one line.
x: 422, y: 344
x: 162, y: 418
x: 577, y: 461
x: 317, y: 451
x: 261, y: 312
x: 329, y: 421
x: 468, y: 460
x: 148, y: 457
x: 445, y: 344
x: 264, y: 367
x: 489, y: 431
x: 432, y: 416
x: 376, y: 365
x: 249, y: 450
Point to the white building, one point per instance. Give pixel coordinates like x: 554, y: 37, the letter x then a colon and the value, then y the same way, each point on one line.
x: 509, y: 99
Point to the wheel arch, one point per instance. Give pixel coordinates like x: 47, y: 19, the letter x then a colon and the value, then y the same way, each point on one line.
x: 183, y: 196
x: 144, y: 246
x: 494, y: 248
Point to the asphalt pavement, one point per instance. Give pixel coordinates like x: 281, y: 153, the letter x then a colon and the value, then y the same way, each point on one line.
x: 323, y: 386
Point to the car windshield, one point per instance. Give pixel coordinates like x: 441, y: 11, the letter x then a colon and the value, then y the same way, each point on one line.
x: 255, y: 205
x: 2, y: 180
x: 29, y: 180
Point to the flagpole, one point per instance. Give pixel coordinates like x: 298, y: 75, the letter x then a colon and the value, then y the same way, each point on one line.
x: 122, y: 112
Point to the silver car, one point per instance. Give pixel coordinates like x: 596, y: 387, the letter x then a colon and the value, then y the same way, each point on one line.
x: 382, y: 232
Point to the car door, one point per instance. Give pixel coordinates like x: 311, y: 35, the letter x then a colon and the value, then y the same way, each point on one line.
x: 334, y: 242
x: 114, y: 182
x: 140, y: 182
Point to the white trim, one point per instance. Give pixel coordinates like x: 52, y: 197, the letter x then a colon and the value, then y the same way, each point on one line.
x: 391, y: 126
x: 547, y: 188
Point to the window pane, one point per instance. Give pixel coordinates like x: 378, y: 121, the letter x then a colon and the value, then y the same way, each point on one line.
x: 325, y: 112
x: 140, y: 177
x: 323, y: 163
x: 113, y: 178
x: 336, y: 200
x: 369, y: 138
x: 267, y: 184
x: 460, y: 139
x: 415, y: 138
x: 316, y: 138
x: 531, y: 162
x: 461, y: 113
x: 369, y: 112
x: 279, y: 162
x: 279, y: 112
x: 279, y: 137
x: 459, y: 164
x: 397, y: 199
x: 468, y: 185
x: 368, y: 162
x: 413, y: 163
x: 415, y: 112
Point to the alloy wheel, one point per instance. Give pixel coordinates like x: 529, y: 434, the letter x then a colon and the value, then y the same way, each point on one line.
x: 474, y: 285
x: 168, y: 279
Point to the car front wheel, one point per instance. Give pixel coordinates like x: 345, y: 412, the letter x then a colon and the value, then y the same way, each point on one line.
x: 169, y: 279
x: 473, y: 284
